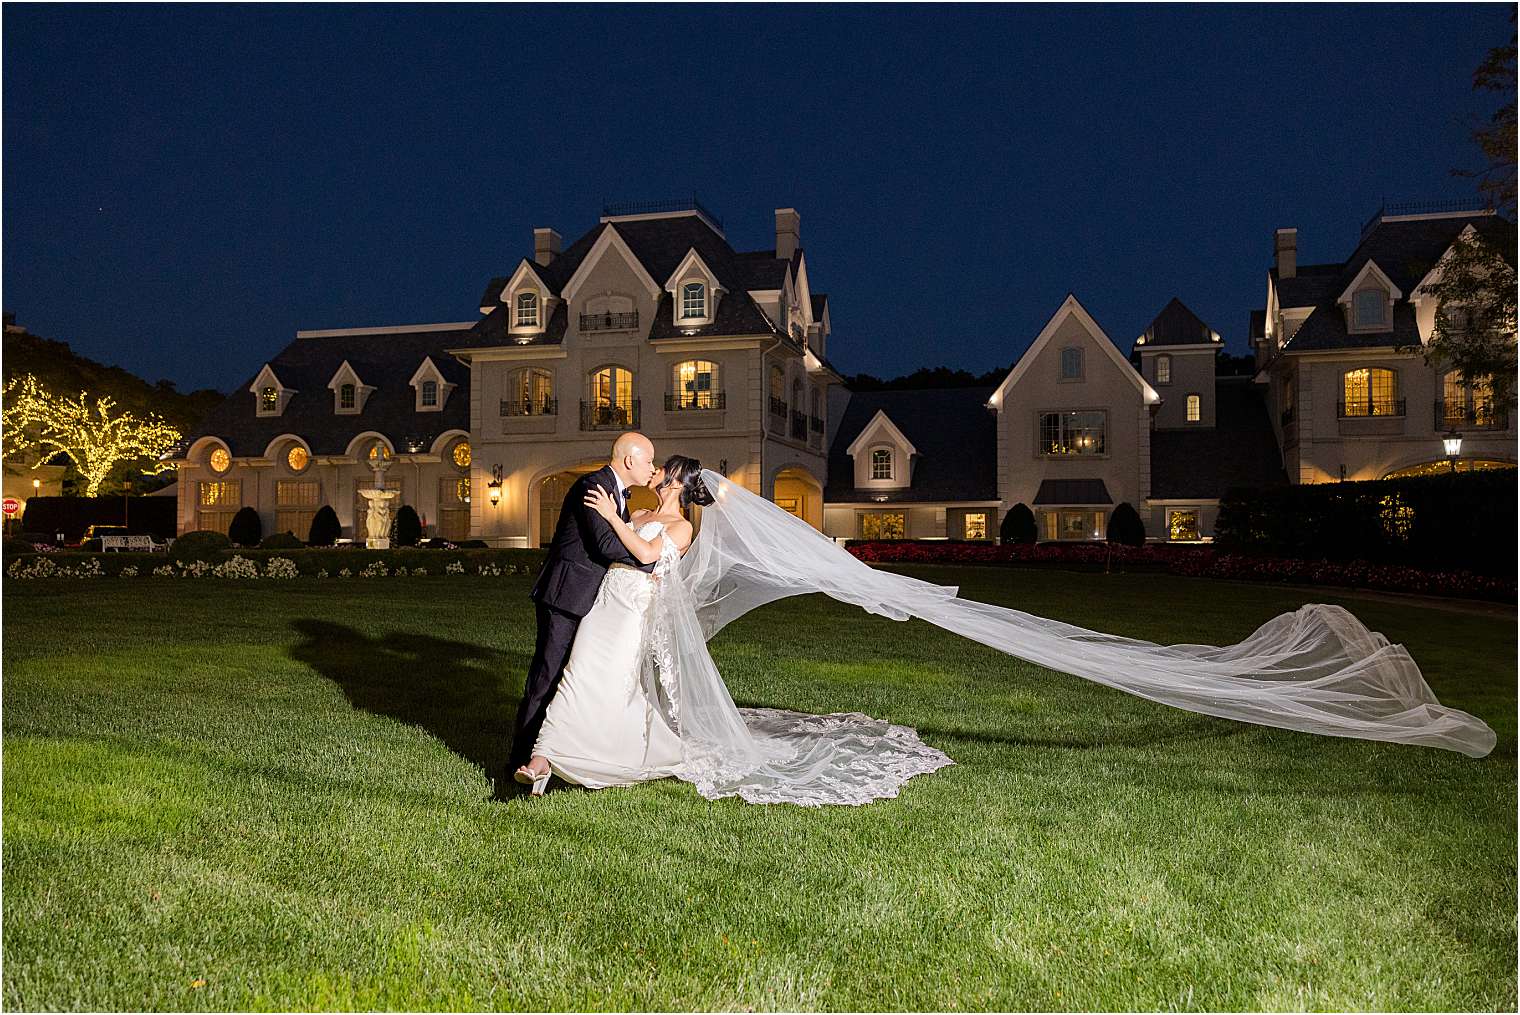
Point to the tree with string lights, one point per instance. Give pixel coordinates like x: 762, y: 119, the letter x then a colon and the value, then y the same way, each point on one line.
x: 89, y: 431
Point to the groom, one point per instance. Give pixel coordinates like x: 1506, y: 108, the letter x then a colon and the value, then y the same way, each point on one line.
x: 584, y: 544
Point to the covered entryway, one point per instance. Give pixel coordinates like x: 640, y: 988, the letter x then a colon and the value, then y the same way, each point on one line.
x: 797, y: 492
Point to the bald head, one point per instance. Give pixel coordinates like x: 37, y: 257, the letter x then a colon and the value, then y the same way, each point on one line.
x: 633, y: 458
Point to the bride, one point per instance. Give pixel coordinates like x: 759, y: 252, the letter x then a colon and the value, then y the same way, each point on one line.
x: 642, y: 699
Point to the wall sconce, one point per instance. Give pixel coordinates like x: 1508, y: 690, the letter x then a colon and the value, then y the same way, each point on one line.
x: 493, y: 488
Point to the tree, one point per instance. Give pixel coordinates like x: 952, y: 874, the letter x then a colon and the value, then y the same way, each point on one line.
x: 1018, y: 525
x: 408, y: 526
x: 1125, y: 526
x: 90, y: 432
x: 246, y: 528
x: 325, y: 528
x: 1474, y: 331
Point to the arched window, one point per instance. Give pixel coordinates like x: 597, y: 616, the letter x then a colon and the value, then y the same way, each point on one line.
x: 296, y: 459
x: 346, y: 397
x: 527, y: 310
x: 778, y: 392
x: 1194, y: 409
x: 1370, y: 391
x: 1163, y: 369
x: 881, y: 463
x: 269, y: 399
x: 612, y: 401
x: 460, y: 454
x: 430, y: 393
x: 693, y: 300
x: 219, y: 460
x: 530, y: 392
x: 696, y: 385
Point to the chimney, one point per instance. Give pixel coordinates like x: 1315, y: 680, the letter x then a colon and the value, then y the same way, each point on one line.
x: 545, y: 245
x: 1287, y: 253
x: 788, y: 232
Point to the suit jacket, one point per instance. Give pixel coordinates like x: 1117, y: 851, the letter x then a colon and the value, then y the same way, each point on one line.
x: 583, y: 545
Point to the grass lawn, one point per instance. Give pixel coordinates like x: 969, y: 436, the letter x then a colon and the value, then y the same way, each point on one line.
x: 279, y: 795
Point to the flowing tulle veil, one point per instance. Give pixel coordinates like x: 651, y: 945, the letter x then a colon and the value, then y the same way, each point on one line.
x: 1315, y: 670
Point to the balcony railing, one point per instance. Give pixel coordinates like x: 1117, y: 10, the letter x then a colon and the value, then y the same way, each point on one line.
x: 778, y: 407
x: 695, y: 400
x: 610, y: 322
x: 601, y: 416
x: 799, y: 426
x: 1460, y: 416
x: 530, y: 407
x: 1287, y: 415
x: 1370, y: 407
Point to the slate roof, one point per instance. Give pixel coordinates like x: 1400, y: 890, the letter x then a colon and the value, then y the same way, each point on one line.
x: 1310, y: 284
x: 1240, y: 450
x: 384, y: 360
x: 1072, y: 491
x: 951, y: 428
x: 1177, y: 325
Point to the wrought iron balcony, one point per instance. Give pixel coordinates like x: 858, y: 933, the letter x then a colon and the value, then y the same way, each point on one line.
x: 1370, y: 407
x: 1461, y: 416
x: 778, y: 407
x: 610, y: 322
x: 695, y: 400
x: 799, y: 426
x: 530, y: 407
x: 602, y: 416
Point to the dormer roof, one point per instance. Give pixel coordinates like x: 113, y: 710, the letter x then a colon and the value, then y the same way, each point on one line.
x: 1177, y: 325
x: 1370, y: 270
x: 879, y: 427
x: 1072, y: 307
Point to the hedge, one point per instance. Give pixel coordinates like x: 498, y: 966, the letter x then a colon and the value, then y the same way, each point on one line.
x: 154, y: 516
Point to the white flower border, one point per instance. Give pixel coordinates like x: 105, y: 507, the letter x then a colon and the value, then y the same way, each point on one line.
x: 238, y: 567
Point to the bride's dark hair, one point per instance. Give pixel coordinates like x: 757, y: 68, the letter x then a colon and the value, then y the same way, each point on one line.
x: 688, y: 473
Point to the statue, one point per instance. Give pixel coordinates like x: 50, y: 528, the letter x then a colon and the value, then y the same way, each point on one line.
x: 377, y: 521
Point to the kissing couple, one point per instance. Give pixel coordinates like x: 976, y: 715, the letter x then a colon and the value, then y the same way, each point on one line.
x: 622, y: 688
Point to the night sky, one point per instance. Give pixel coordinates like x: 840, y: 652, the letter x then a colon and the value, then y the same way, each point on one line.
x: 186, y: 187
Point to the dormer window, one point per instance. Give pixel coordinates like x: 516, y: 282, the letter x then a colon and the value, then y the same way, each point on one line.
x: 349, y: 391
x: 693, y: 300
x: 527, y: 310
x: 1071, y: 364
x: 1368, y: 308
x: 429, y: 394
x: 881, y: 464
x: 1163, y: 369
x: 269, y: 399
x: 270, y: 395
x: 347, y: 398
x: 431, y: 389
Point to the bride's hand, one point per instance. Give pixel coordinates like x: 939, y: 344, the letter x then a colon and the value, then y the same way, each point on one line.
x: 601, y: 502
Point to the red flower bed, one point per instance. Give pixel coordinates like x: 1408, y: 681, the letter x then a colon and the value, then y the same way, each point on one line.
x: 1195, y: 562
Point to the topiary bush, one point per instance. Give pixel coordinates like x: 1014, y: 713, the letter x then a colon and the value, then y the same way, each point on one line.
x: 325, y: 529
x: 1125, y: 526
x: 280, y: 541
x: 202, y: 544
x: 1018, y: 526
x: 408, y: 526
x: 246, y: 529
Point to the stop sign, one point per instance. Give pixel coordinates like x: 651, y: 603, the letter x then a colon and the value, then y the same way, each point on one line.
x: 11, y: 505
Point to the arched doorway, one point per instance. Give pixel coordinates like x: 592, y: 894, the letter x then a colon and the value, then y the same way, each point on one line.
x: 551, y: 497
x: 797, y: 492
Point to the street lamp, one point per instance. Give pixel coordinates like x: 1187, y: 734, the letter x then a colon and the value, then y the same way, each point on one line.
x: 1453, y: 444
x: 36, y: 487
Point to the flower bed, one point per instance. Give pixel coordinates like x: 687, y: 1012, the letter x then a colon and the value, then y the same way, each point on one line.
x: 280, y: 564
x: 1193, y: 562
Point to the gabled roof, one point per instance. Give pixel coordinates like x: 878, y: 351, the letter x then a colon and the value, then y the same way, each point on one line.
x: 1072, y: 307
x: 610, y: 241
x: 1177, y: 325
x: 950, y: 428
x: 881, y: 423
x: 1239, y: 450
x: 1370, y: 270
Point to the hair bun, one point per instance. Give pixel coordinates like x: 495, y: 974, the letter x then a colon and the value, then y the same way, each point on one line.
x: 697, y: 492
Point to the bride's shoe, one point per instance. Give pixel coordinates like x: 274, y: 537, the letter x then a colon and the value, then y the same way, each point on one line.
x: 527, y: 777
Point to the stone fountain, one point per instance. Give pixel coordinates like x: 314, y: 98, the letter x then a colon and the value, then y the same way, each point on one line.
x: 377, y: 521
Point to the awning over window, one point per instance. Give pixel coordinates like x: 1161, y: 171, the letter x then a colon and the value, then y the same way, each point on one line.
x: 1073, y: 491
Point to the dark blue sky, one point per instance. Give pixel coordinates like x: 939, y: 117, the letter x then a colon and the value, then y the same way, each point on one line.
x: 185, y: 187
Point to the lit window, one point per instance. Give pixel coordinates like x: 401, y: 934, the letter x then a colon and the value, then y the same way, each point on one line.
x: 269, y: 399
x: 1163, y: 370
x: 461, y: 454
x: 693, y: 300
x: 378, y: 452
x: 612, y: 397
x: 696, y: 384
x: 976, y: 526
x: 1369, y: 305
x: 221, y: 461
x: 1073, y: 433
x: 530, y: 392
x: 1071, y: 364
x: 346, y: 396
x: 527, y: 310
x: 297, y: 458
x: 1370, y: 391
x: 883, y: 525
x: 429, y: 393
x: 881, y: 464
x: 1194, y: 409
x: 1182, y: 525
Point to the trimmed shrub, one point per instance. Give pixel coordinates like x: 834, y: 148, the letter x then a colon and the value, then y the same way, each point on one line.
x: 1018, y: 526
x: 280, y: 541
x: 1125, y: 526
x: 324, y: 527
x: 246, y: 529
x: 408, y: 526
x: 202, y: 544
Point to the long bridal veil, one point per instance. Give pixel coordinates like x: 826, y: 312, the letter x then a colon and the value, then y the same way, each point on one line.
x: 1316, y: 669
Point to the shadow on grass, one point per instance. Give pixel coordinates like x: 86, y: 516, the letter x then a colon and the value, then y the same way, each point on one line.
x: 465, y: 695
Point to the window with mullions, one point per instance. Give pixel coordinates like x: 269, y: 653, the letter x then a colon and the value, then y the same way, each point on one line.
x: 1073, y: 433
x: 881, y: 464
x: 696, y: 384
x: 527, y: 310
x: 694, y: 300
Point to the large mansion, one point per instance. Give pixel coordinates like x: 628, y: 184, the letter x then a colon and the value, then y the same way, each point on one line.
x: 651, y: 320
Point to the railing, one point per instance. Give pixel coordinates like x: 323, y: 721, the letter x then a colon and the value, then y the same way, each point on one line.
x: 610, y: 322
x: 695, y: 400
x: 1423, y: 208
x: 1287, y: 416
x: 778, y: 407
x: 600, y: 416
x: 1460, y: 416
x: 530, y: 407
x: 799, y: 426
x: 658, y: 207
x: 1370, y: 407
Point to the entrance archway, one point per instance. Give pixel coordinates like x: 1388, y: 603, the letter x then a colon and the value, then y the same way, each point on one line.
x: 797, y: 492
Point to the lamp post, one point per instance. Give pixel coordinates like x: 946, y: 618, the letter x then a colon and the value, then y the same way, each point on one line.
x: 1453, y: 444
